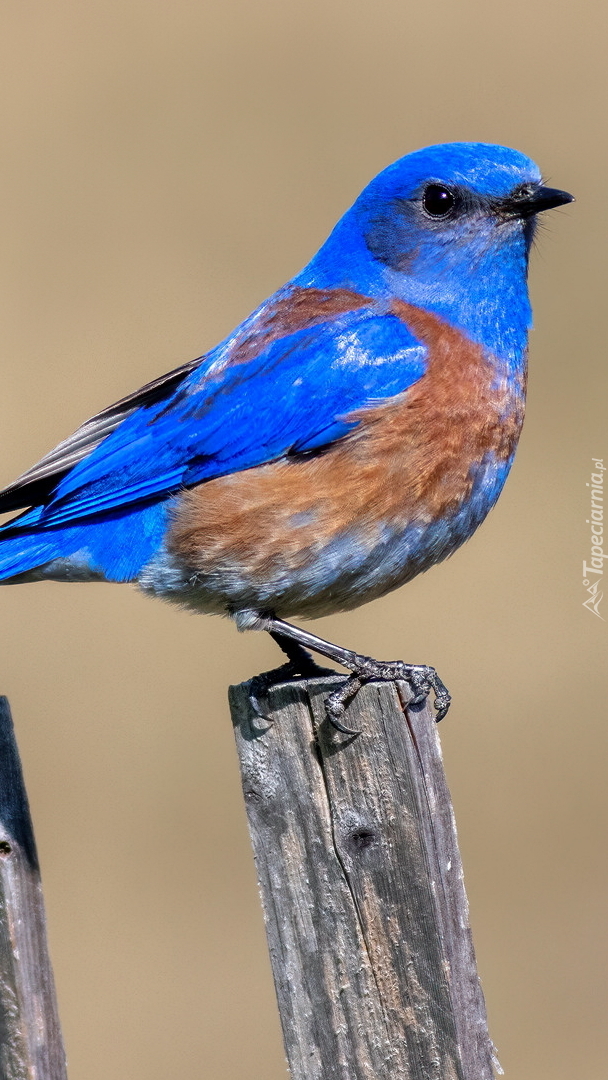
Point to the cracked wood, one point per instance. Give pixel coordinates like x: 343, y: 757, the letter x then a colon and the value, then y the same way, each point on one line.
x: 362, y: 888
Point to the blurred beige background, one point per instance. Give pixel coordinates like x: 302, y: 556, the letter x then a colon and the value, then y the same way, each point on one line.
x: 164, y: 167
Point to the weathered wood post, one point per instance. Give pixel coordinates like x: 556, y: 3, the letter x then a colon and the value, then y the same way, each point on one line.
x: 31, y: 1047
x: 362, y: 887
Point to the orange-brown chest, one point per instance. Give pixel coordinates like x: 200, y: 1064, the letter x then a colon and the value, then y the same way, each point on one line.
x: 411, y: 461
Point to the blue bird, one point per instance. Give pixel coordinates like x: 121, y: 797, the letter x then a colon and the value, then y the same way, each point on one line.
x: 350, y: 433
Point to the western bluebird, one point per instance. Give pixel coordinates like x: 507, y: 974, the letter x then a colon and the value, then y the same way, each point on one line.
x: 352, y: 431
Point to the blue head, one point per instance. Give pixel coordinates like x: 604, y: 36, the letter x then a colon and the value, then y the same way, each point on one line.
x: 448, y: 228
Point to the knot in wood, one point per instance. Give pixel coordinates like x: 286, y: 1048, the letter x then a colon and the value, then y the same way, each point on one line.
x: 362, y: 837
x: 358, y: 833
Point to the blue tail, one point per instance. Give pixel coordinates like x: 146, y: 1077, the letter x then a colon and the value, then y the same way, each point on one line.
x: 116, y: 545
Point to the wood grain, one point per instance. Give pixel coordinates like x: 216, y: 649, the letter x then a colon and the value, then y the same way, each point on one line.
x: 31, y: 1047
x: 362, y: 888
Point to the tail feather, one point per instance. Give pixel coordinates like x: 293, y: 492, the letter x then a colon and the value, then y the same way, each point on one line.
x: 114, y: 546
x: 26, y: 551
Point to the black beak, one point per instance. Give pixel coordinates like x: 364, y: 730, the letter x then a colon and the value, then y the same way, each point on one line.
x: 528, y: 201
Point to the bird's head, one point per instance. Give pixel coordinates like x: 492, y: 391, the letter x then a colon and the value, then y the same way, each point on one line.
x: 448, y: 227
x: 446, y: 204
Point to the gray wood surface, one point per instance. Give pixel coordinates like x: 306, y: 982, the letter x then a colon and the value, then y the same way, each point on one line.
x: 31, y: 1046
x: 362, y: 888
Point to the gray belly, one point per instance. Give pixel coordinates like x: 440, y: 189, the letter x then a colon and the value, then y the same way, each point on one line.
x: 352, y: 568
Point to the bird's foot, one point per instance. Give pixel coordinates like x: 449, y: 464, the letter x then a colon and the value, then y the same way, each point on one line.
x: 421, y: 678
x: 300, y: 665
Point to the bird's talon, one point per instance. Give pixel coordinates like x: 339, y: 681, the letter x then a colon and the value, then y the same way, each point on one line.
x: 442, y: 703
x: 335, y: 704
x: 421, y: 678
x: 419, y: 699
x: 335, y: 723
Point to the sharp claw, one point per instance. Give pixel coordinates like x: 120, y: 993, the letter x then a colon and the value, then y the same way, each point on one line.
x: 442, y: 696
x: 258, y: 711
x: 335, y: 723
x: 335, y: 704
x: 294, y: 641
x: 420, y: 698
x: 442, y: 703
x: 257, y: 708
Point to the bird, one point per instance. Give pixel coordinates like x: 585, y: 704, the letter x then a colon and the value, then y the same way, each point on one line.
x: 350, y: 433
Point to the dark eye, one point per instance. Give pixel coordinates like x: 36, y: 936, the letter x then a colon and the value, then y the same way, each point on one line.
x: 438, y: 200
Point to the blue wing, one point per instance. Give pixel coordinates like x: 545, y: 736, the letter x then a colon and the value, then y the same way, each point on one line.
x: 238, y: 407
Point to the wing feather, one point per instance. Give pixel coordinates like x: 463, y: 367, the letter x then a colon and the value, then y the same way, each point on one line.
x: 35, y: 484
x: 279, y: 386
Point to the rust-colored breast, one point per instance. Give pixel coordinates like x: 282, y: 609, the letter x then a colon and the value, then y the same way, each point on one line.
x: 409, y: 461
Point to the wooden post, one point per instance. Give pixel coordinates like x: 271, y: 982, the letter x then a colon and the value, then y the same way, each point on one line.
x: 362, y: 888
x: 31, y: 1046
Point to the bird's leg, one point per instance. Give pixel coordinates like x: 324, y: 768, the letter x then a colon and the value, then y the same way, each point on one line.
x: 300, y: 664
x: 421, y: 678
x: 303, y: 663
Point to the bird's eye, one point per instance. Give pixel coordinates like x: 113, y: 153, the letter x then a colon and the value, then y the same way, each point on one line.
x: 438, y: 201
